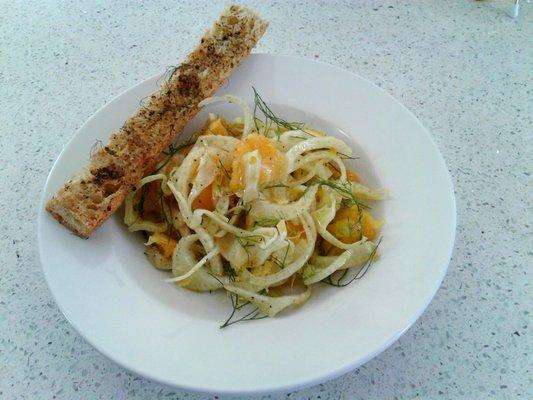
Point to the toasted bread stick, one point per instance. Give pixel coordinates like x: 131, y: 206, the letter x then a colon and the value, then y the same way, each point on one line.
x: 94, y: 194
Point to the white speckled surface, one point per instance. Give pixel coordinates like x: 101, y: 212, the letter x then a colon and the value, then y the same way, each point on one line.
x: 463, y: 67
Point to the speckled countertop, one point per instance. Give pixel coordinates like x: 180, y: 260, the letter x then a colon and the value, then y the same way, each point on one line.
x: 463, y: 67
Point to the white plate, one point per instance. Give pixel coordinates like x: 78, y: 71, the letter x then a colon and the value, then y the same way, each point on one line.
x: 120, y: 304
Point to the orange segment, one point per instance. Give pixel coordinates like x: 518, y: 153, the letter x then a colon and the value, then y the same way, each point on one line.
x: 204, y: 199
x: 370, y: 225
x: 344, y: 227
x: 215, y: 127
x: 164, y: 243
x: 295, y: 231
x: 352, y: 176
x: 273, y: 162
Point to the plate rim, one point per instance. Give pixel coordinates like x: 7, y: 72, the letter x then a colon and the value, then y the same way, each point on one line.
x: 295, y: 384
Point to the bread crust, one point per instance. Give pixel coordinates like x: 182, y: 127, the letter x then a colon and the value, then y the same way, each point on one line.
x: 95, y: 193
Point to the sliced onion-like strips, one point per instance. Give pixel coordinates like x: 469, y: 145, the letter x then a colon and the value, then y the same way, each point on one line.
x: 354, y: 256
x: 323, y: 157
x: 365, y: 193
x: 261, y: 254
x: 207, y: 168
x: 183, y: 261
x: 267, y: 232
x: 295, y: 265
x: 252, y: 169
x: 267, y: 209
x: 225, y: 143
x: 198, y: 265
x: 231, y: 250
x: 269, y: 305
x: 291, y: 138
x: 315, y: 144
x: 132, y: 218
x: 323, y: 215
x: 183, y: 175
x: 248, y: 117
